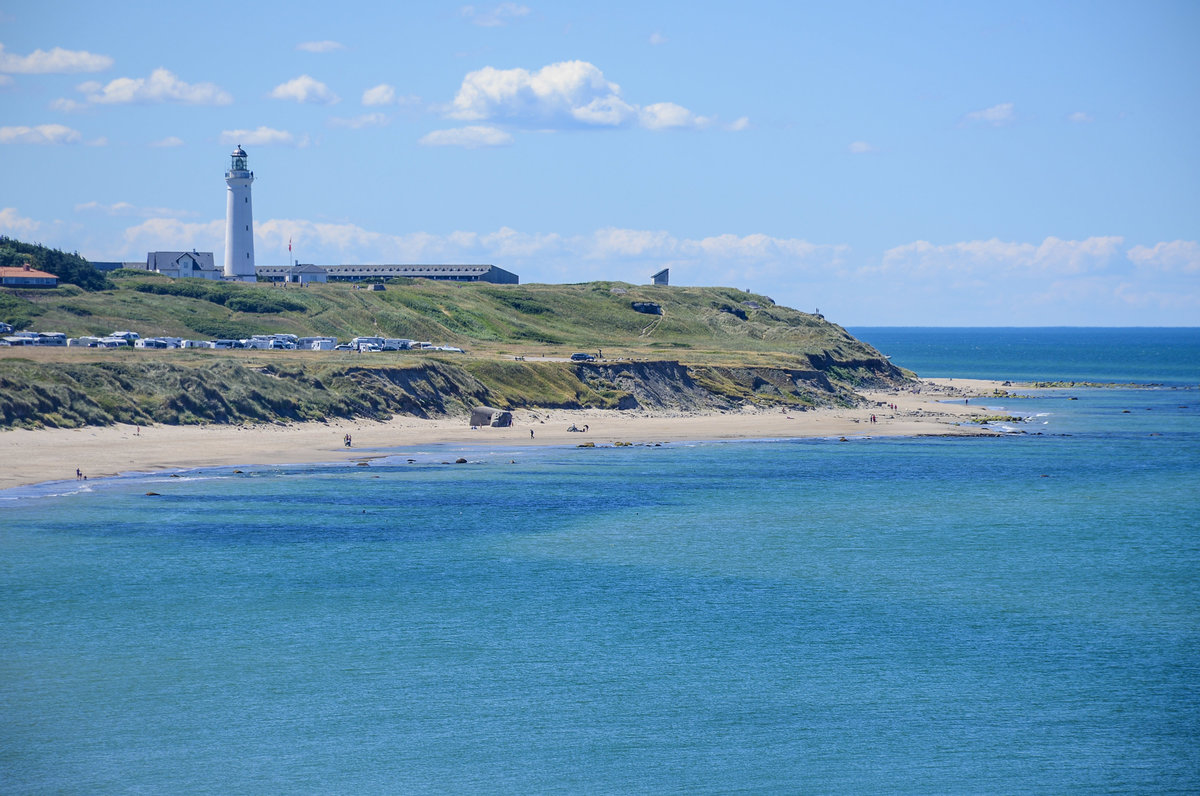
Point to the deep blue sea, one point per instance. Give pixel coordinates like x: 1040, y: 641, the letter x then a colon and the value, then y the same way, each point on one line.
x: 1103, y: 355
x: 940, y: 615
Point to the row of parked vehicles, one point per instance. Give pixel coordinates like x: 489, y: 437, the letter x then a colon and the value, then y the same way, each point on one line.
x: 262, y: 342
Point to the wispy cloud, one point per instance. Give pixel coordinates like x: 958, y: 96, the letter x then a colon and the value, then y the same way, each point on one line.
x: 1180, y: 256
x: 14, y: 223
x: 305, y: 89
x: 40, y: 134
x: 359, y: 122
x: 1079, y: 117
x: 471, y: 137
x: 56, y: 61
x: 383, y: 94
x: 161, y: 86
x: 1053, y: 256
x: 127, y: 209
x: 169, y: 141
x: 155, y: 234
x: 495, y: 17
x: 261, y: 136
x: 320, y: 46
x: 996, y: 116
x: 861, y: 148
x: 657, y: 39
x: 665, y: 115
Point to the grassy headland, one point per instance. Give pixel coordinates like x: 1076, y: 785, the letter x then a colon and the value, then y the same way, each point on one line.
x: 711, y: 348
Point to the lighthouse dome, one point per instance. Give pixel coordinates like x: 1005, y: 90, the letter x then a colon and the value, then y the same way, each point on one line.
x: 239, y: 152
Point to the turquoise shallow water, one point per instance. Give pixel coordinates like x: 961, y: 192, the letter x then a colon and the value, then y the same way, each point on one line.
x: 915, y: 615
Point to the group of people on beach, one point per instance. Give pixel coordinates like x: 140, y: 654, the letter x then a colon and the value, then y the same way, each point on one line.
x: 79, y: 476
x: 347, y: 441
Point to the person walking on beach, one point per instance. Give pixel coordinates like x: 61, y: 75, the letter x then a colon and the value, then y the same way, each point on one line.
x: 531, y: 433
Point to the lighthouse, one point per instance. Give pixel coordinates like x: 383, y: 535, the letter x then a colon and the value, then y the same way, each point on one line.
x: 239, y: 220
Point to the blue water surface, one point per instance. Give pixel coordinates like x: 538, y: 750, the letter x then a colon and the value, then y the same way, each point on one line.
x: 947, y: 615
x: 1107, y: 355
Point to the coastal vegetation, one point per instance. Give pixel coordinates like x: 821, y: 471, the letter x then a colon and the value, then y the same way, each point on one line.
x: 69, y: 268
x: 711, y: 348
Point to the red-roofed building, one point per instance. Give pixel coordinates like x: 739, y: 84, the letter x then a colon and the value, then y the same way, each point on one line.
x: 26, y: 277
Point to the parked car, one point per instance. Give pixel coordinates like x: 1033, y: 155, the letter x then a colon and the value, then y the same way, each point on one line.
x: 579, y: 356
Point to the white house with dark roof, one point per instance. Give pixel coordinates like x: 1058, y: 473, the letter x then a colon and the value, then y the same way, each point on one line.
x: 199, y: 265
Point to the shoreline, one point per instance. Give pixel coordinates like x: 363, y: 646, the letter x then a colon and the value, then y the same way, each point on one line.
x: 52, y: 455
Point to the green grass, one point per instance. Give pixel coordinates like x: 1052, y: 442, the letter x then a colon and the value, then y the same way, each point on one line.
x: 699, y: 323
x: 707, y: 349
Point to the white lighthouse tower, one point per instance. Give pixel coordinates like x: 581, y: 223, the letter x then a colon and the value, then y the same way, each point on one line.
x: 239, y: 220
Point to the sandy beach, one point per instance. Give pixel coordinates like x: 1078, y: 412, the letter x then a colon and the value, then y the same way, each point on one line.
x: 935, y: 407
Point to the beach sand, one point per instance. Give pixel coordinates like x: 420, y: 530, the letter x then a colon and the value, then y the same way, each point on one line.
x: 935, y: 407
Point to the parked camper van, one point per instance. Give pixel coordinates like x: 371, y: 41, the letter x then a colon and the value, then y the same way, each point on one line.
x: 316, y: 343
x: 367, y: 343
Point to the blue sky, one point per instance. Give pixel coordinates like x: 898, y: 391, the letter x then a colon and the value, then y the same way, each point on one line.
x: 888, y: 163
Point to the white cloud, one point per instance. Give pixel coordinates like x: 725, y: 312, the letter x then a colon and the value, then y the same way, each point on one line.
x: 161, y: 86
x: 383, y: 94
x: 320, y: 46
x: 101, y: 141
x: 610, y: 253
x: 305, y: 89
x: 861, y: 148
x: 997, y: 115
x: 169, y: 141
x: 1006, y: 259
x: 742, y: 123
x: 1057, y: 282
x: 496, y: 17
x: 127, y: 209
x: 67, y: 105
x: 665, y: 115
x: 657, y: 38
x: 1079, y: 117
x: 260, y: 136
x: 54, y: 62
x: 358, y: 122
x: 41, y: 134
x: 171, y: 234
x: 569, y: 93
x: 471, y: 137
x: 12, y: 222
x: 5, y: 80
x: 1181, y: 256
